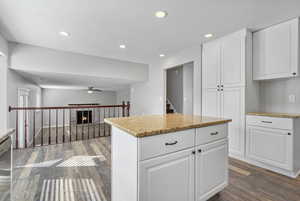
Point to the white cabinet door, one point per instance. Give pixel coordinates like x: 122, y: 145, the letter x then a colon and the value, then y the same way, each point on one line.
x: 211, y: 169
x: 211, y: 65
x: 232, y: 107
x: 270, y: 146
x: 233, y: 59
x: 276, y: 51
x: 211, y: 102
x: 168, y: 178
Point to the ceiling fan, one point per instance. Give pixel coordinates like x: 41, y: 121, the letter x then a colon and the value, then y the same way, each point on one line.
x: 93, y: 89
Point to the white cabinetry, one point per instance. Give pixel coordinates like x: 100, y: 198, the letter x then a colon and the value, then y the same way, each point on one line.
x: 276, y: 51
x: 226, y: 65
x: 212, y: 169
x: 175, y: 171
x: 272, y: 143
x: 189, y: 165
x: 233, y: 106
x: 223, y: 61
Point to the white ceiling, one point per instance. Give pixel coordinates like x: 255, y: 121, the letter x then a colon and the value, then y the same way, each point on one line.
x: 68, y: 81
x: 98, y: 27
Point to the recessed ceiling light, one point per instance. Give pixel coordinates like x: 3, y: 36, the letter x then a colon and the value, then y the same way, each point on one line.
x: 63, y: 33
x: 122, y: 46
x: 208, y: 35
x: 161, y: 14
x: 162, y: 55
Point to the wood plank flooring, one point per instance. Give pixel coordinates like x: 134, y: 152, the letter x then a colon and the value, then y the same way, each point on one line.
x: 82, y: 170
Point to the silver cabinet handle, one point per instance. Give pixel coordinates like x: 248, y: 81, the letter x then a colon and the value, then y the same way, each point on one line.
x: 267, y: 122
x: 171, y: 143
x: 215, y: 133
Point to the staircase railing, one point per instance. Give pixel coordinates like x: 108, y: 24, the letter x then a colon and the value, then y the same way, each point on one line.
x: 40, y: 126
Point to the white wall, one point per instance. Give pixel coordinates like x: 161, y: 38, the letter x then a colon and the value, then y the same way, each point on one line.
x: 63, y: 97
x: 149, y: 97
x: 188, y: 88
x: 123, y: 95
x: 175, y: 88
x: 274, y: 95
x: 3, y: 45
x: 3, y: 84
x: 32, y: 58
x: 16, y: 81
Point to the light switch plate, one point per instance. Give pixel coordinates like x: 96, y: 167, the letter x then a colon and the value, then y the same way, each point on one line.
x: 292, y: 98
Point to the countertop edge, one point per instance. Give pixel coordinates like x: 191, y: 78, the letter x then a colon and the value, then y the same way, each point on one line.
x: 165, y: 131
x: 6, y: 134
x: 278, y: 115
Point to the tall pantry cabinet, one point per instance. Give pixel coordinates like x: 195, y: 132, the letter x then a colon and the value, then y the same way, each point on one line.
x: 227, y: 89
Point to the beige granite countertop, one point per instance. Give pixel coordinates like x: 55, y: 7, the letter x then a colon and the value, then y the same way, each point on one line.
x: 271, y: 114
x: 143, y: 126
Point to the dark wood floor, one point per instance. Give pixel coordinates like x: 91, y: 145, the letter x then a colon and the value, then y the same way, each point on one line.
x: 43, y: 173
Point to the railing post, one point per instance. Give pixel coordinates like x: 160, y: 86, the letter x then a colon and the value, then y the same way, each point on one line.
x: 123, y: 108
x: 128, y: 108
x: 17, y: 129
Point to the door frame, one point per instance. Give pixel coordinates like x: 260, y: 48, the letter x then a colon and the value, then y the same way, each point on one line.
x: 165, y: 85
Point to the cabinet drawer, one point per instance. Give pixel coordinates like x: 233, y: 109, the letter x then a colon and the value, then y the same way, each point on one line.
x: 212, y: 133
x: 157, y: 145
x: 270, y: 122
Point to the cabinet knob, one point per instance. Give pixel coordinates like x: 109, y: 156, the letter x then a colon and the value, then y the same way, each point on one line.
x: 193, y: 152
x: 222, y: 85
x: 289, y: 133
x: 294, y: 73
x: 199, y: 150
x: 218, y: 85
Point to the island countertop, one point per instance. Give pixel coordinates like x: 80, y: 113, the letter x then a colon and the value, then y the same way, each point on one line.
x: 143, y: 126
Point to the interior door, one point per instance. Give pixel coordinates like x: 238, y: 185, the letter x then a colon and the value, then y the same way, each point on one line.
x: 211, y: 102
x: 232, y: 107
x: 270, y: 146
x: 211, y: 65
x: 211, y: 169
x: 168, y: 178
x: 233, y: 60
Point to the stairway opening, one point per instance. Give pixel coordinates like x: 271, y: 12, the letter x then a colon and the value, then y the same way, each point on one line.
x: 179, y: 89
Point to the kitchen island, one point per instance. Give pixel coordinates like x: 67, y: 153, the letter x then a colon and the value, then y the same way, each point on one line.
x: 171, y: 157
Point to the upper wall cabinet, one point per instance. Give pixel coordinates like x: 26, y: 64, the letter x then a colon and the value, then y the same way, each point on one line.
x: 224, y: 61
x: 276, y: 51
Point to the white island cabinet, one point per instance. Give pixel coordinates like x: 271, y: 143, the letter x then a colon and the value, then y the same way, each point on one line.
x: 168, y: 158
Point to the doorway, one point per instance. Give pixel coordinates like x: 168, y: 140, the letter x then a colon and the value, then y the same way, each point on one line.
x: 23, y: 99
x: 179, y: 89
